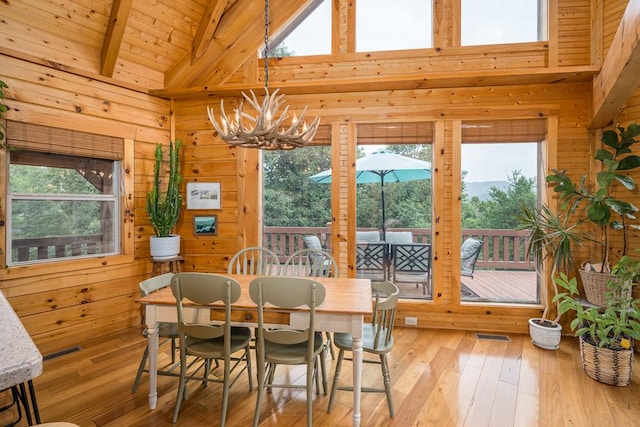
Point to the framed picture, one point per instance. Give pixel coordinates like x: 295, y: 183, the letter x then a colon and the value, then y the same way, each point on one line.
x: 205, y: 225
x: 203, y: 195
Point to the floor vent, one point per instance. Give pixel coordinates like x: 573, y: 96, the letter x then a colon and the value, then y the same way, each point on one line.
x: 61, y: 353
x: 493, y: 337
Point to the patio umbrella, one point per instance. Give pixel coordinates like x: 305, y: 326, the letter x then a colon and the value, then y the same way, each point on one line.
x: 383, y: 166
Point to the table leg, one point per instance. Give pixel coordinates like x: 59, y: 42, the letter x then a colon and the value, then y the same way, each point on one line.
x: 152, y: 345
x: 357, y: 379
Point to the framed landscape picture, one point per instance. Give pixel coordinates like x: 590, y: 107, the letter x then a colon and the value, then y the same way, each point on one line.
x: 205, y: 225
x: 203, y: 195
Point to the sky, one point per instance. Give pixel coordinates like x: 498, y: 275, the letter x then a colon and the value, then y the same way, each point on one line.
x: 483, y: 22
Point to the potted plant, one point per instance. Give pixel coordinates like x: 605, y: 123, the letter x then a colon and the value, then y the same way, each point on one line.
x: 606, y: 332
x: 552, y: 238
x: 164, y: 204
x: 599, y: 203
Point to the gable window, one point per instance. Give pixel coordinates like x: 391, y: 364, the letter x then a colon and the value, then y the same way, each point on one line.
x: 393, y: 25
x: 308, y: 34
x: 502, y: 21
x: 61, y: 206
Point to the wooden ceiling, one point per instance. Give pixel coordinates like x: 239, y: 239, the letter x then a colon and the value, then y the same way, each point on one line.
x: 145, y: 44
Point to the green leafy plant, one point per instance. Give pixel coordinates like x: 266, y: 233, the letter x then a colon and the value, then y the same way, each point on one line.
x: 596, y: 200
x: 613, y: 325
x: 551, y: 237
x: 164, y: 202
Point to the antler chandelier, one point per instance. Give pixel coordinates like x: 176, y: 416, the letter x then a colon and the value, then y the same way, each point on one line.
x: 266, y: 130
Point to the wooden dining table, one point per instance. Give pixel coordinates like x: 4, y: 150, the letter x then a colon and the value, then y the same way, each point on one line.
x: 347, y: 302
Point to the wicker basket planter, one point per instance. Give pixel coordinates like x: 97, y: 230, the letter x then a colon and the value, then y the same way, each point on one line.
x: 609, y: 366
x: 596, y: 285
x: 545, y: 333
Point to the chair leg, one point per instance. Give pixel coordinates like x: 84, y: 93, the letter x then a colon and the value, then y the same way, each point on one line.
x: 323, y: 372
x: 247, y: 355
x: 182, y: 386
x: 387, y: 383
x: 330, y: 345
x: 310, y: 372
x: 336, y: 377
x: 225, y: 392
x: 260, y: 396
x: 143, y: 362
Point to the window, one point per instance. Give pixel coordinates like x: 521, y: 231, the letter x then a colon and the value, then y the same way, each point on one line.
x: 500, y: 163
x: 310, y: 34
x: 393, y: 25
x: 502, y: 21
x: 61, y: 207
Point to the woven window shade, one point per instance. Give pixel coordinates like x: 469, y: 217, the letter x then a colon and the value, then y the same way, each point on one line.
x: 525, y: 130
x: 395, y: 133
x: 62, y: 141
x: 323, y: 136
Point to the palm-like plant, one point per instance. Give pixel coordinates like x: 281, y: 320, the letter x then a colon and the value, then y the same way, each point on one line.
x: 551, y: 237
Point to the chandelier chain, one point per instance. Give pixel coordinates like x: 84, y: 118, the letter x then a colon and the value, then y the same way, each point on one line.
x: 266, y: 44
x: 270, y: 127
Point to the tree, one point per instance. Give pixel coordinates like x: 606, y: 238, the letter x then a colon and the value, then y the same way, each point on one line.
x: 504, y: 206
x: 290, y: 197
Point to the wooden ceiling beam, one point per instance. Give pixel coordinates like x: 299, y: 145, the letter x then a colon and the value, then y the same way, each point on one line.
x: 237, y: 37
x: 120, y: 10
x: 522, y: 76
x: 207, y: 28
x: 620, y: 74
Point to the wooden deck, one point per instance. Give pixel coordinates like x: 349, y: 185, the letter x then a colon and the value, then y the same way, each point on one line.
x: 491, y: 286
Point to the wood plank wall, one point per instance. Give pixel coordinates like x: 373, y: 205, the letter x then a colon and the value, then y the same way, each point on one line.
x: 568, y: 102
x: 64, y: 301
x: 58, y: 304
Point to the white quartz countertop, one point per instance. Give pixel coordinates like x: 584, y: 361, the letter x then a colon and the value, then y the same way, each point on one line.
x: 20, y: 359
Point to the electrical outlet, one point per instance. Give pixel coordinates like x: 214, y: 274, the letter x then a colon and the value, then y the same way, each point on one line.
x: 412, y: 321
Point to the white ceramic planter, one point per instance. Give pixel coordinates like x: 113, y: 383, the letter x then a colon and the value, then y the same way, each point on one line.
x: 164, y: 247
x: 545, y: 334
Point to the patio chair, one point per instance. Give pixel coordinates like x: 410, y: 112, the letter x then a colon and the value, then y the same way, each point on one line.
x: 372, y: 261
x: 412, y: 264
x: 378, y: 340
x: 286, y: 346
x: 167, y: 331
x: 469, y: 252
x: 210, y: 341
x: 255, y: 260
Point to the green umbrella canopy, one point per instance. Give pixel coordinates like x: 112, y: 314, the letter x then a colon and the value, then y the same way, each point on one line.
x: 383, y: 166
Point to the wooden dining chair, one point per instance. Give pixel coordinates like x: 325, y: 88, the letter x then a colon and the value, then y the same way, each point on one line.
x: 210, y: 341
x: 255, y: 260
x: 377, y: 340
x: 276, y: 346
x: 167, y: 331
x: 312, y: 263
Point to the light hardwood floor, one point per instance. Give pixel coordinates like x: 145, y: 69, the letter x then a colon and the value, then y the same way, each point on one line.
x: 439, y: 377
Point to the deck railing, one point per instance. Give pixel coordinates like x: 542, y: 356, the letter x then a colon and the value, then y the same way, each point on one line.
x: 502, y: 249
x: 41, y: 248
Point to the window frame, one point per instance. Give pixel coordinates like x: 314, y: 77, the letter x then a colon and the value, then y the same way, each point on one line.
x: 110, y: 197
x: 126, y: 218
